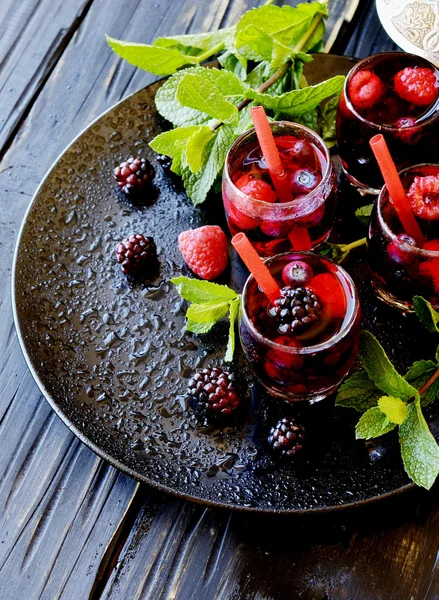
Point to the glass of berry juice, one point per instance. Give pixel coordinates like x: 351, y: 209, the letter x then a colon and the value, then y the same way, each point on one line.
x: 399, y: 268
x: 395, y: 94
x: 251, y: 203
x: 302, y: 346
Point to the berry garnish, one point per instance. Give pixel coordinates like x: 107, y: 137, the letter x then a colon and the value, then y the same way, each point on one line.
x: 300, y: 152
x: 133, y: 176
x: 423, y: 196
x: 431, y: 246
x: 429, y: 269
x: 365, y: 89
x: 295, y: 309
x: 135, y: 254
x: 242, y: 221
x: 328, y: 288
x: 416, y: 85
x: 258, y: 190
x: 205, y: 250
x: 276, y: 229
x: 398, y: 253
x: 286, y: 438
x: 304, y: 180
x: 212, y: 394
x: 297, y: 274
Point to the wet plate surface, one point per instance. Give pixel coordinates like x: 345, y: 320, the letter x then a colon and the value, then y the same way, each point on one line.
x: 113, y: 359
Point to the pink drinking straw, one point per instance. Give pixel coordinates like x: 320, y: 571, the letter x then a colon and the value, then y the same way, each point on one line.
x: 396, y: 191
x: 299, y: 239
x: 256, y: 266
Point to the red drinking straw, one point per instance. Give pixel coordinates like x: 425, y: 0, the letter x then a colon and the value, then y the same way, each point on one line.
x: 256, y: 267
x: 299, y: 239
x: 396, y: 191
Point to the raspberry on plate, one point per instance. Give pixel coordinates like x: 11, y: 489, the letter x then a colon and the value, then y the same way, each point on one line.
x: 365, y: 89
x: 423, y: 196
x: 205, y: 250
x: 135, y: 254
x: 416, y: 85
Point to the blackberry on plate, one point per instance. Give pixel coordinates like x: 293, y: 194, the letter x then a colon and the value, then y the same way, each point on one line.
x: 286, y: 437
x: 133, y: 176
x: 135, y: 254
x: 296, y: 308
x: 212, y: 393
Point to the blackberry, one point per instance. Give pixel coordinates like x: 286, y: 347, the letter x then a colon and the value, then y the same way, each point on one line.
x: 212, y: 394
x: 133, y: 176
x: 296, y: 308
x: 286, y: 437
x: 135, y: 254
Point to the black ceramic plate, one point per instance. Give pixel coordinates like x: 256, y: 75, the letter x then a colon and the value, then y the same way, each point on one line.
x: 113, y: 359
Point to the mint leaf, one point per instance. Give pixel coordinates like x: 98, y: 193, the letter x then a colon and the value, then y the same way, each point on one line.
x: 395, y: 409
x: 426, y: 314
x: 157, y: 60
x: 298, y: 102
x: 199, y: 328
x: 195, y: 43
x: 358, y: 392
x: 264, y: 71
x: 198, y: 184
x: 286, y: 26
x: 234, y: 312
x: 233, y: 63
x: 372, y: 424
x: 418, y: 374
x: 380, y: 369
x: 327, y: 116
x: 196, y: 91
x: 171, y: 109
x: 310, y: 119
x: 363, y: 213
x: 419, y: 450
x: 200, y: 291
x: 206, y: 313
x: 194, y: 154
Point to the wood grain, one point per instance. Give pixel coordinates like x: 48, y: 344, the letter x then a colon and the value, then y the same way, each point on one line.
x: 70, y: 525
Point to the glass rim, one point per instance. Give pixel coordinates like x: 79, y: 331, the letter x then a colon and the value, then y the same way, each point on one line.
x: 282, y: 205
x: 390, y: 128
x: 347, y: 326
x: 384, y: 192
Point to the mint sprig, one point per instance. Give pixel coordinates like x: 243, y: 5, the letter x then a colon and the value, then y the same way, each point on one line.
x: 262, y: 59
x: 210, y: 302
x: 389, y: 400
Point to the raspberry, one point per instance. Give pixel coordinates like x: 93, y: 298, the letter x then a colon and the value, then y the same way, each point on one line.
x: 423, y: 196
x: 135, y: 254
x: 297, y: 274
x: 212, y: 394
x: 417, y: 86
x: 365, y: 89
x: 256, y: 189
x: 286, y: 438
x: 133, y: 176
x: 205, y: 250
x: 328, y: 288
x: 295, y: 309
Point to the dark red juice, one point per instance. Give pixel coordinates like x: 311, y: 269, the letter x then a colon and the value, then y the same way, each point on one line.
x: 251, y: 203
x: 400, y: 269
x: 303, y: 346
x: 395, y: 94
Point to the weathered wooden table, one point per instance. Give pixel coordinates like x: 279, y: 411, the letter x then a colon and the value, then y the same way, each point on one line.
x: 71, y: 526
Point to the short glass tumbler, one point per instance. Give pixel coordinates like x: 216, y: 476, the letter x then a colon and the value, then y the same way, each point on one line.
x: 311, y: 365
x: 268, y: 224
x: 411, y: 131
x: 400, y: 270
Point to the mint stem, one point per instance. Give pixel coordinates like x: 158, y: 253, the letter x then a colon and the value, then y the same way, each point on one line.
x: 429, y: 383
x: 352, y: 245
x: 202, y: 57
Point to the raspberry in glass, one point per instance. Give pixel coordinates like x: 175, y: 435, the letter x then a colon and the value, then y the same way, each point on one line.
x: 365, y: 89
x: 423, y: 196
x: 417, y: 86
